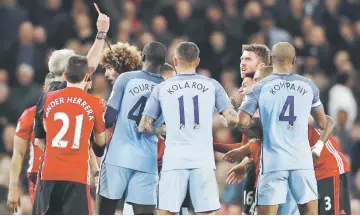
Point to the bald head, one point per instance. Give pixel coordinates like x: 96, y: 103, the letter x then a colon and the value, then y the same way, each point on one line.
x: 262, y: 73
x: 282, y: 53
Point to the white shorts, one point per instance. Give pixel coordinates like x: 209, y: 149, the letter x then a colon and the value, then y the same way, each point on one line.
x: 273, y: 187
x: 201, y: 184
x: 140, y: 187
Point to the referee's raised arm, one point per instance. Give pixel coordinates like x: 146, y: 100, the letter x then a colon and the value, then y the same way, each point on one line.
x: 57, y: 64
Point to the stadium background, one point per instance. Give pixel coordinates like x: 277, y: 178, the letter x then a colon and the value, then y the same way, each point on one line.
x: 326, y: 34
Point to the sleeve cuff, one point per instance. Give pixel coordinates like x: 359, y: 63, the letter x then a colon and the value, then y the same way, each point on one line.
x: 224, y: 108
x: 316, y: 104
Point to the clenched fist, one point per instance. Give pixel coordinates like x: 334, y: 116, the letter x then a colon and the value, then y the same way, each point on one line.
x: 103, y: 23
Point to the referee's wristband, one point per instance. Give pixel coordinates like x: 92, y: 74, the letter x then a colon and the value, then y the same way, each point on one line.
x: 101, y: 35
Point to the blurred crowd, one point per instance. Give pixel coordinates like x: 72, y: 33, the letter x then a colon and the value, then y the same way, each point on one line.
x: 325, y: 33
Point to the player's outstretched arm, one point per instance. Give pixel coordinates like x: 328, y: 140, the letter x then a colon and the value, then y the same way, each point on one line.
x: 324, y: 135
x: 251, y: 127
x: 148, y: 129
x: 237, y: 172
x: 225, y: 148
x: 319, y: 117
x: 94, y: 166
x: 95, y: 52
x: 100, y: 139
x: 231, y: 117
x: 237, y: 154
x: 20, y: 146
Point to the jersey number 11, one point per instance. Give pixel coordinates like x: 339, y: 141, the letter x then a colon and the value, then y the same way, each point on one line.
x: 182, y: 112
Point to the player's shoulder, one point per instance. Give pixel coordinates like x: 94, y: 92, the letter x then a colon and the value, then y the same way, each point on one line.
x: 54, y: 93
x: 125, y: 77
x: 302, y: 78
x: 192, y: 77
x: 31, y: 109
x: 29, y: 112
x: 93, y: 99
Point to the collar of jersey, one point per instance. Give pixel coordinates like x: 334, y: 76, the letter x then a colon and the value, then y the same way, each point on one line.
x: 186, y: 74
x: 152, y: 74
x: 282, y: 74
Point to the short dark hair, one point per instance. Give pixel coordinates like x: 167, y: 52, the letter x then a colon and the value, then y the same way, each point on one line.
x: 188, y: 51
x: 260, y: 50
x: 154, y: 52
x: 76, y: 69
x: 167, y: 67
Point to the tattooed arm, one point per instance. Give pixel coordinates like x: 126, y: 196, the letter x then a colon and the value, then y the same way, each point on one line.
x: 251, y: 127
x: 146, y: 127
x: 231, y: 117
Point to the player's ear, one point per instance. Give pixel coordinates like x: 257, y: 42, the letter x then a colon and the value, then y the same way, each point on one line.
x: 65, y: 77
x: 143, y: 57
x: 197, y: 62
x: 293, y: 61
x: 175, y: 61
x: 260, y: 65
x: 86, y: 78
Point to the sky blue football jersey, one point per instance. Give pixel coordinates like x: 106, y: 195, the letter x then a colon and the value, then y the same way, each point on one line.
x: 128, y: 148
x: 285, y: 102
x: 188, y: 102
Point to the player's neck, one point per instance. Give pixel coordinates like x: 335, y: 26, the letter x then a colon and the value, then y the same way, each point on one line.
x: 283, y: 68
x: 58, y: 78
x: 185, y: 70
x: 76, y: 85
x: 151, y: 68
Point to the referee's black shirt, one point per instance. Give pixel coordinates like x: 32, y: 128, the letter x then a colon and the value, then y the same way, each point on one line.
x: 39, y: 130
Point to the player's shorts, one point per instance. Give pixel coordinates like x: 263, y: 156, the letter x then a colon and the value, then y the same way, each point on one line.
x: 290, y: 207
x: 187, y: 201
x: 140, y: 187
x: 273, y: 187
x: 201, y: 184
x: 334, y: 195
x: 32, y: 178
x: 65, y: 197
x: 249, y: 189
x: 37, y: 202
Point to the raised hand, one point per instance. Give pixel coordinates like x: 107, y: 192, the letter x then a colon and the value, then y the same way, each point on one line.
x: 103, y: 23
x: 236, y: 174
x: 236, y: 155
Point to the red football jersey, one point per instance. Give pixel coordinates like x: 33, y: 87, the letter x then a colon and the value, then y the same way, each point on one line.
x: 24, y: 130
x: 246, y: 139
x: 331, y: 162
x: 70, y: 116
x: 255, y: 146
x: 161, y: 150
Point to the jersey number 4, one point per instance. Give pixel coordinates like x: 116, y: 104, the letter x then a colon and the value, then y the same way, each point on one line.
x: 291, y: 118
x: 57, y: 142
x: 140, y: 104
x: 182, y: 111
